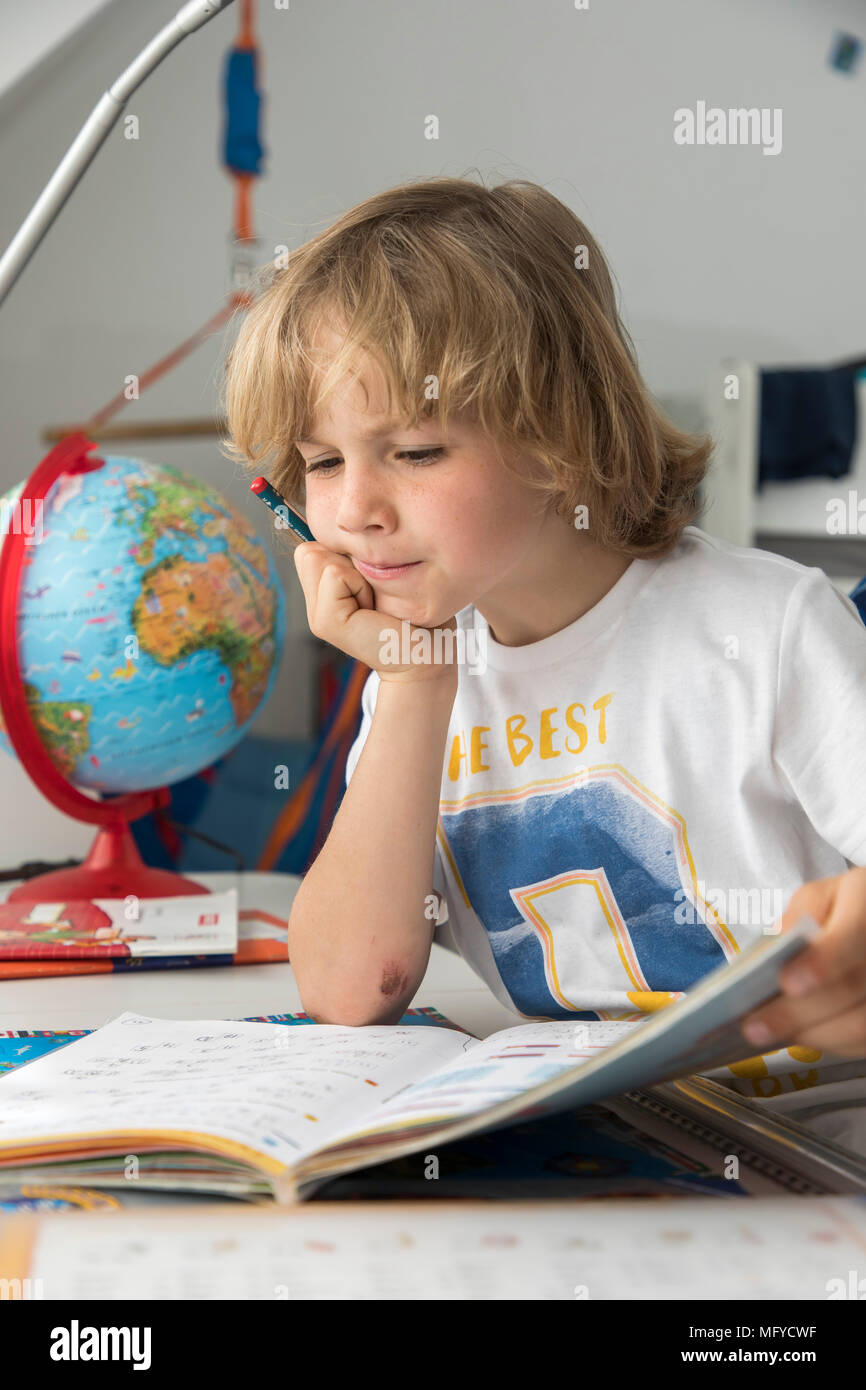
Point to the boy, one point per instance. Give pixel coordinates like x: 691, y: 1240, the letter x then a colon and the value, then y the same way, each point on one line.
x: 659, y: 738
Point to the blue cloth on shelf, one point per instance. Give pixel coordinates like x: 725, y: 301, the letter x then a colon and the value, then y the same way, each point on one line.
x: 242, y: 147
x: 187, y: 800
x: 246, y: 803
x: 238, y: 808
x: 808, y: 424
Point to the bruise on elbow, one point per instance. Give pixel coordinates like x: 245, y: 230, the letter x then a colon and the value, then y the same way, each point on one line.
x: 394, y: 980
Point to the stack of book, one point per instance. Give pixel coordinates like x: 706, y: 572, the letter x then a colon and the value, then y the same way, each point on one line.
x: 83, y: 937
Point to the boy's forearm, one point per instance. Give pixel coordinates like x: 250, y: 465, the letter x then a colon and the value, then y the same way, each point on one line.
x: 359, y: 939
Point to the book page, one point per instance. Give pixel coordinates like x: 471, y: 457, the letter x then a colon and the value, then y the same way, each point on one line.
x: 501, y: 1067
x: 694, y: 1033
x: 278, y: 1090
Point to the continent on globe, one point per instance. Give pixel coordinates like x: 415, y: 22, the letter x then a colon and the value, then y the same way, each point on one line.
x: 151, y: 622
x: 186, y: 607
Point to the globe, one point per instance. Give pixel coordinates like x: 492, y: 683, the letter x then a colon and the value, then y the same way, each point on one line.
x: 150, y: 620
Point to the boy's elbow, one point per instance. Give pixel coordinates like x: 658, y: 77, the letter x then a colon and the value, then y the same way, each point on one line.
x: 356, y: 1009
x: 360, y: 1008
x: 350, y: 1016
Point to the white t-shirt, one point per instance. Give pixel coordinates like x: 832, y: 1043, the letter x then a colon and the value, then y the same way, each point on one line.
x: 631, y: 801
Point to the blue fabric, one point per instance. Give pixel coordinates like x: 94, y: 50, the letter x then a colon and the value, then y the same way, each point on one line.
x: 245, y: 804
x: 187, y: 799
x: 808, y: 424
x: 240, y: 805
x: 242, y: 149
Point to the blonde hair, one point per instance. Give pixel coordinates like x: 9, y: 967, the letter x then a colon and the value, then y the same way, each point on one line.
x: 478, y: 289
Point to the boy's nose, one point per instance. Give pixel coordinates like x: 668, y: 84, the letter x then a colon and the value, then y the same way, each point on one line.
x: 364, y: 501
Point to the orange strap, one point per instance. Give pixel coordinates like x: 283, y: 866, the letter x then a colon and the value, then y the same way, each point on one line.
x: 247, y: 31
x: 166, y: 363
x: 243, y: 206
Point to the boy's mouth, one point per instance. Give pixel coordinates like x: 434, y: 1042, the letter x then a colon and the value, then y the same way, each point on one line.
x: 385, y: 571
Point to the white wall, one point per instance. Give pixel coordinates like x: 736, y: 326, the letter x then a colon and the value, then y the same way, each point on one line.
x: 31, y: 32
x: 718, y: 251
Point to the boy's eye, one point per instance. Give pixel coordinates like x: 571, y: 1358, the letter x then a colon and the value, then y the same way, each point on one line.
x: 418, y: 457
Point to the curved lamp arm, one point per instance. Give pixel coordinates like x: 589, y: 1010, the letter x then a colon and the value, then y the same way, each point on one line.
x: 93, y: 134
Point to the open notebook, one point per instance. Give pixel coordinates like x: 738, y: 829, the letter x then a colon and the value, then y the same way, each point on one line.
x: 251, y: 1108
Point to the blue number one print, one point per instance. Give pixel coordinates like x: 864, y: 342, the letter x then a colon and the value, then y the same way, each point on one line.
x: 587, y: 891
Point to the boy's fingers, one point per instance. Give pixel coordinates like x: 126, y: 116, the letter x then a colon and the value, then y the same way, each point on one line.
x: 305, y: 548
x: 838, y: 904
x: 310, y: 558
x: 844, y: 1034
x: 342, y: 590
x: 341, y: 583
x: 841, y: 951
x: 815, y: 898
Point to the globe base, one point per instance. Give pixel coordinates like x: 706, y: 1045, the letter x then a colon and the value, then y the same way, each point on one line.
x: 113, y: 869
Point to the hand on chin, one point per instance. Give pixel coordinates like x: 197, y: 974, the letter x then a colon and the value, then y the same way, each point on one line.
x: 416, y: 614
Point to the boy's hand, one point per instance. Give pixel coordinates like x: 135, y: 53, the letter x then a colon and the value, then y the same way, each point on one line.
x: 341, y: 609
x: 829, y: 1012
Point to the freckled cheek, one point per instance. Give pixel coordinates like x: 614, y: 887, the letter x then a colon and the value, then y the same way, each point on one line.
x: 317, y: 517
x: 479, y: 549
x: 459, y: 532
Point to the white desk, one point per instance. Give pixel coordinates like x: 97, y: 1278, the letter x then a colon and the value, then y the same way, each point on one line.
x: 88, y: 1001
x: 188, y: 1238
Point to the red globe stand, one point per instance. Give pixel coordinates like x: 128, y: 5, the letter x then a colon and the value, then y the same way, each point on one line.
x: 113, y: 868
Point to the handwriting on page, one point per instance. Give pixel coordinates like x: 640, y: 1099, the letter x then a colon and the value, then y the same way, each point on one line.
x: 278, y: 1090
x: 503, y: 1066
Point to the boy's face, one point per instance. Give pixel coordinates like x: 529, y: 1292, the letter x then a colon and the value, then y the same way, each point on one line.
x: 468, y: 522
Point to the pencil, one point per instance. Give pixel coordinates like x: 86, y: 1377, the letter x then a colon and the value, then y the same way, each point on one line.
x: 278, y: 504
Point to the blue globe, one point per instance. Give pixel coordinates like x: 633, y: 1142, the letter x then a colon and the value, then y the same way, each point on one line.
x: 151, y: 622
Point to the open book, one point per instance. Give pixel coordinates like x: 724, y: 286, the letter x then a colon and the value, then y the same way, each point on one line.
x: 250, y: 1109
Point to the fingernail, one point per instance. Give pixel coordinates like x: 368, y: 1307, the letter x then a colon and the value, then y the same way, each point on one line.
x: 756, y: 1033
